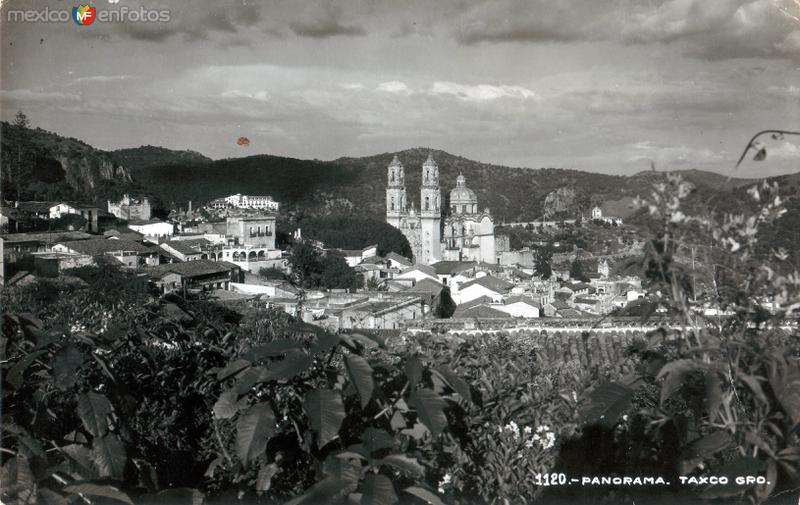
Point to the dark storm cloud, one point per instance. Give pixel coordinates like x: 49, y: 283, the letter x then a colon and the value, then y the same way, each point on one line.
x: 325, y: 21
x: 192, y: 23
x: 705, y: 29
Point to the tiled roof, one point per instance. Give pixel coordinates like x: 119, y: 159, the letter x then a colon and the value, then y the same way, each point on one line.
x: 192, y: 268
x: 124, y: 232
x: 521, y: 298
x: 141, y: 222
x: 181, y: 246
x: 400, y: 259
x: 586, y: 301
x: 474, y: 303
x: 452, y: 267
x: 426, y: 286
x: 489, y: 282
x: 36, y: 207
x: 95, y: 247
x: 45, y: 237
x: 426, y: 269
x: 480, y: 311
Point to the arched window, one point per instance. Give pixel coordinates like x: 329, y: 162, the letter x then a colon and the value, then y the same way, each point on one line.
x: 392, y: 206
x: 391, y: 176
x: 427, y: 203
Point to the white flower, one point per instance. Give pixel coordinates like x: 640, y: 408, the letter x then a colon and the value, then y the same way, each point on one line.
x: 528, y: 430
x: 446, y: 478
x: 529, y: 443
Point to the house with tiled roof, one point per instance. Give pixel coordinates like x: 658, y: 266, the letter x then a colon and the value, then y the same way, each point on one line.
x: 418, y: 272
x: 130, y: 254
x: 201, y: 275
x: 181, y: 250
x: 480, y: 311
x: 519, y: 306
x: 429, y: 290
x: 487, y: 285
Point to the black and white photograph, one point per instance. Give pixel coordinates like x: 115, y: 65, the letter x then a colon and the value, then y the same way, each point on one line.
x: 400, y: 252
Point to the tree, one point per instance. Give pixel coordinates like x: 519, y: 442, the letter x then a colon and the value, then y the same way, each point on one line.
x: 446, y: 306
x: 543, y: 258
x: 21, y: 120
x: 576, y: 271
x: 304, y: 260
x: 335, y: 273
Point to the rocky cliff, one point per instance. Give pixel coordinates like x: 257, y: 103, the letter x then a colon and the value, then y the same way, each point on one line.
x: 37, y: 164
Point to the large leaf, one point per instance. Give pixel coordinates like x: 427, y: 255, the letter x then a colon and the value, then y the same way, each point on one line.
x: 784, y: 377
x: 175, y: 496
x: 606, y: 404
x: 94, y: 409
x: 264, y: 480
x: 378, y: 490
x: 253, y: 429
x: 66, y: 362
x: 458, y: 384
x: 708, y: 445
x: 249, y: 378
x: 361, y: 376
x: 109, y: 456
x: 327, y: 490
x: 403, y: 462
x: 673, y: 374
x: 16, y: 374
x: 424, y: 495
x: 104, y: 491
x: 413, y: 371
x: 226, y: 407
x: 294, y: 363
x: 277, y: 347
x: 325, y: 412
x: 232, y: 368
x: 376, y: 439
x: 325, y: 341
x: 430, y: 409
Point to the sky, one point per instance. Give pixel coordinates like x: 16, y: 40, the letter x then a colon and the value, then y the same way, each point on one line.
x: 613, y: 86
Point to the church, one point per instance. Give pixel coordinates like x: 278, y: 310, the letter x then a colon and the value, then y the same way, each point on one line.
x: 462, y: 233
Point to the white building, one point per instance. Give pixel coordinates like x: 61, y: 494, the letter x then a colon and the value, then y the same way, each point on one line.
x: 153, y: 228
x: 261, y: 202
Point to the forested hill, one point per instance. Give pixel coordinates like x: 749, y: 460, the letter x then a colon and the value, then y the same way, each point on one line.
x: 324, y: 187
x: 319, y: 187
x: 137, y: 158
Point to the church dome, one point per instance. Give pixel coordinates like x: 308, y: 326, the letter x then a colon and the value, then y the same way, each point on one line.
x: 461, y: 194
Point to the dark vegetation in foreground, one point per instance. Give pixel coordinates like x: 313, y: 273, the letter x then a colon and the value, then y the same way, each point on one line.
x: 114, y: 394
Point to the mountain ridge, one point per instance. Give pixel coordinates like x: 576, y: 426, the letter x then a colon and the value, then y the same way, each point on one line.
x: 358, y: 183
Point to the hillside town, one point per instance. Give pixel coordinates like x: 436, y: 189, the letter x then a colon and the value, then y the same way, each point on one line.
x: 460, y: 268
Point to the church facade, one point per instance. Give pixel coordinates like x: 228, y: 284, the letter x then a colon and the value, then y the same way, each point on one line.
x: 464, y: 234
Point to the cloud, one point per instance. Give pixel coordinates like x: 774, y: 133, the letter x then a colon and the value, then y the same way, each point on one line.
x: 396, y: 87
x: 352, y: 85
x: 706, y: 29
x: 532, y: 21
x: 665, y: 156
x: 29, y: 96
x: 259, y: 96
x: 480, y: 92
x: 327, y: 21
